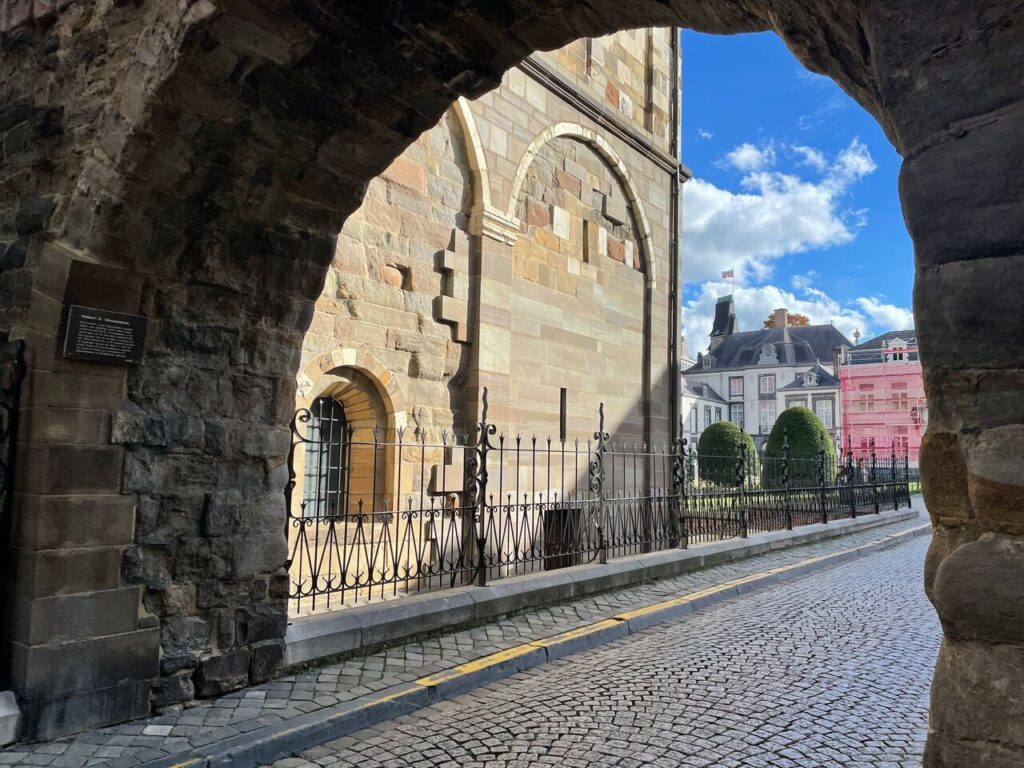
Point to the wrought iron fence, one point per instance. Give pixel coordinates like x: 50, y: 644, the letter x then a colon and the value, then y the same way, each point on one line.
x: 385, y: 512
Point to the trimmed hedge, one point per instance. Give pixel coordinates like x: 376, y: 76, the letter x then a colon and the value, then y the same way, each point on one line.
x: 806, y: 434
x: 718, y: 450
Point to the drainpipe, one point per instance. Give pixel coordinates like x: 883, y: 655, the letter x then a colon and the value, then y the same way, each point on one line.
x: 680, y: 177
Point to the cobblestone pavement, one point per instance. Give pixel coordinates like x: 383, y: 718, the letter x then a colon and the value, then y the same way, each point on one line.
x: 128, y: 745
x: 831, y: 669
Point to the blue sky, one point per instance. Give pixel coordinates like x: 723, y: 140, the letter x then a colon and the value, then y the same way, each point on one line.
x: 795, y: 186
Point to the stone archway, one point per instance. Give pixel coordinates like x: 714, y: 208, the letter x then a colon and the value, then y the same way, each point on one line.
x: 194, y: 161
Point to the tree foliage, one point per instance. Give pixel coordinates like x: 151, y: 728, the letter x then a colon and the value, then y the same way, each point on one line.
x: 806, y: 435
x: 718, y: 450
x: 792, y: 318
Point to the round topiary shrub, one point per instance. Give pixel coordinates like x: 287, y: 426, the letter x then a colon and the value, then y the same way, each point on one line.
x: 718, y: 449
x: 806, y: 435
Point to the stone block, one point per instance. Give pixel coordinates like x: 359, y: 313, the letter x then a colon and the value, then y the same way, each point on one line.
x: 51, y: 718
x: 560, y: 222
x: 72, y: 469
x: 10, y: 718
x: 174, y: 689
x: 223, y: 673
x: 76, y: 617
x: 977, y: 590
x: 51, y: 671
x: 615, y: 209
x: 537, y: 214
x: 267, y: 661
x: 259, y: 623
x: 975, y: 693
x: 407, y: 173
x: 57, y: 522
x: 63, y: 572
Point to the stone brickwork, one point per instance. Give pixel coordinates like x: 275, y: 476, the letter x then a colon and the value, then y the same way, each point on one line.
x: 578, y: 281
x: 194, y: 160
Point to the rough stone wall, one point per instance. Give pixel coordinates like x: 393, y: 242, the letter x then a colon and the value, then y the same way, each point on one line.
x: 208, y: 155
x: 578, y: 296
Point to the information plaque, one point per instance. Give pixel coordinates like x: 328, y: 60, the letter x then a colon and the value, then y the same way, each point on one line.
x: 101, y: 336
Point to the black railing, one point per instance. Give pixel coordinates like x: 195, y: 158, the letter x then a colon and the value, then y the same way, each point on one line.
x: 418, y: 512
x: 12, y: 373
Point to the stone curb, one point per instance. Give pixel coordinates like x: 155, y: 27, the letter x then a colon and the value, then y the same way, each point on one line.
x: 282, y: 740
x: 376, y: 625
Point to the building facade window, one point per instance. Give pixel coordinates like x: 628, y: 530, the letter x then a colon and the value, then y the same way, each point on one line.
x: 707, y: 417
x: 900, y: 398
x: 736, y: 414
x: 693, y: 420
x: 823, y: 409
x: 766, y: 384
x: 325, y: 478
x: 866, y: 398
x: 767, y: 417
x: 735, y: 386
x: 718, y: 415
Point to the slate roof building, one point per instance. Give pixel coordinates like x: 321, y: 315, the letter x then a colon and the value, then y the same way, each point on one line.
x: 760, y: 373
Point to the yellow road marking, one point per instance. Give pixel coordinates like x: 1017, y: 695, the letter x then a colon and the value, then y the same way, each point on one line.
x: 572, y: 634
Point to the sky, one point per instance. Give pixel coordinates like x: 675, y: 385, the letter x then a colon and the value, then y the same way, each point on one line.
x: 794, y: 187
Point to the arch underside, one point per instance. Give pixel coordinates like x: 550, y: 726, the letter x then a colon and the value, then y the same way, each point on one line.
x: 211, y: 175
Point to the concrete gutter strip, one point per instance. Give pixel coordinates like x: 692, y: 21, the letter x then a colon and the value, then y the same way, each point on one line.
x: 281, y: 740
x: 365, y: 627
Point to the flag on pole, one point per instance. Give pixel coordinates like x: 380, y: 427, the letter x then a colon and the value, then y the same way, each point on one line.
x: 727, y: 274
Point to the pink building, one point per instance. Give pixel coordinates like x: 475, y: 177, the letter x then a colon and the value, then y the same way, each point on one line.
x: 881, y: 393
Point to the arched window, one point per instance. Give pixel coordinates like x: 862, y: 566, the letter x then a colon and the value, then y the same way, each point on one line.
x: 325, y: 487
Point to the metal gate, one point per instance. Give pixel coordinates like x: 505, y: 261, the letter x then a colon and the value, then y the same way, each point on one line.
x: 12, y: 372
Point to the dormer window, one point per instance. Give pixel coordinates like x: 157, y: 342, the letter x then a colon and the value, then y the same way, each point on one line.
x: 703, y: 390
x: 810, y: 379
x: 897, y: 349
x: 709, y: 361
x: 768, y: 355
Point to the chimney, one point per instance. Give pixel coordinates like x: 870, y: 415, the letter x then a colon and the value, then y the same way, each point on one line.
x: 780, y: 317
x: 837, y: 356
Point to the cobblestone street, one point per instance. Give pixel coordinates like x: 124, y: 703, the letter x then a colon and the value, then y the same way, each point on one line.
x: 830, y: 669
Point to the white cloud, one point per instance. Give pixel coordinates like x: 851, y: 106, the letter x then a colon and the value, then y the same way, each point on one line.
x: 754, y: 304
x: 803, y: 282
x: 774, y: 214
x: 705, y: 134
x: 815, y: 158
x: 821, y: 114
x: 886, y: 316
x: 747, y: 157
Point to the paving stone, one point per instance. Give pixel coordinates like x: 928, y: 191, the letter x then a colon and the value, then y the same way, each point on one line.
x: 831, y: 669
x: 247, y: 711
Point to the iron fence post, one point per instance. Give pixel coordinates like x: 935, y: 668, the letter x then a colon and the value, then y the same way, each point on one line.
x: 597, y: 478
x: 851, y: 472
x: 874, y: 479
x: 892, y: 476
x: 821, y: 479
x: 740, y: 478
x: 787, y: 505
x: 476, y: 487
x: 679, y: 481
x: 905, y: 483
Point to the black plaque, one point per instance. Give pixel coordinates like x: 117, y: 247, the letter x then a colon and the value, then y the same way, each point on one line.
x: 101, y: 336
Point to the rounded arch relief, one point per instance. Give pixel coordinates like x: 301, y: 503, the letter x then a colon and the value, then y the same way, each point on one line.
x: 616, y: 164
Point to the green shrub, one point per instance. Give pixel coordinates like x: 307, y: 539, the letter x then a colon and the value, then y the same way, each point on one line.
x: 806, y: 435
x: 718, y: 449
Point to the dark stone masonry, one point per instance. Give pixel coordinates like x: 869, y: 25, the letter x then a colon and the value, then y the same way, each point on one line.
x: 194, y: 160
